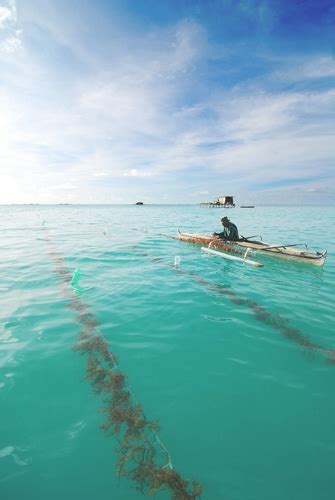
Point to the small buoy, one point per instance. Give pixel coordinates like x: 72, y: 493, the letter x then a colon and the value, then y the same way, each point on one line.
x: 177, y: 261
x: 75, y: 278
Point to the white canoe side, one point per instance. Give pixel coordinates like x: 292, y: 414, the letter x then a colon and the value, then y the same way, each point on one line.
x: 288, y: 253
x: 282, y: 252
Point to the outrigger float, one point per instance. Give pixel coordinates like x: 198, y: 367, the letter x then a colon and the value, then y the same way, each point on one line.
x: 244, y: 245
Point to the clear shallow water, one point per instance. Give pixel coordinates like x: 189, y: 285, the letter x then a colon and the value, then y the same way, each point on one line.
x: 216, y: 352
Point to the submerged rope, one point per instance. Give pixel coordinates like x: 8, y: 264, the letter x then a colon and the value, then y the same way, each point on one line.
x: 276, y: 321
x: 135, y: 434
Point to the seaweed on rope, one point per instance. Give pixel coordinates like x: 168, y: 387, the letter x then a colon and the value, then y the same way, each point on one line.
x: 275, y: 321
x: 137, y: 437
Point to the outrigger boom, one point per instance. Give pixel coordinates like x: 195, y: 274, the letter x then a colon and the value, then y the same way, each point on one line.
x: 232, y: 257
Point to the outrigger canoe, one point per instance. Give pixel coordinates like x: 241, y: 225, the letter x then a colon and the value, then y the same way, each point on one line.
x: 240, y: 247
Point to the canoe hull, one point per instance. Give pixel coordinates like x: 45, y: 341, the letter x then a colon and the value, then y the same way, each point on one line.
x: 239, y: 247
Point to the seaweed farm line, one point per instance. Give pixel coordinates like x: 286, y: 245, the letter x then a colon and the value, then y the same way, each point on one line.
x: 275, y: 321
x: 124, y: 419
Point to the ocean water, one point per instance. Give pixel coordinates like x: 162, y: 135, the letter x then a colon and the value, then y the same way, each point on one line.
x: 234, y: 362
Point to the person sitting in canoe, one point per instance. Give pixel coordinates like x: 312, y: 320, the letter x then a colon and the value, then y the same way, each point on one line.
x: 229, y: 232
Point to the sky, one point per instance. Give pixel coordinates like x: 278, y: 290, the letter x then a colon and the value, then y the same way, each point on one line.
x: 169, y: 101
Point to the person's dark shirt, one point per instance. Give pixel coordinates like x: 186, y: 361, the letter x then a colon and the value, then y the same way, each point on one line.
x: 229, y: 233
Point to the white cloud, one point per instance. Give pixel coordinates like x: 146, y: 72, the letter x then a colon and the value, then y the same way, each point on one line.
x: 10, y: 35
x: 135, y: 173
x: 199, y: 193
x: 132, y: 115
x: 100, y: 174
x: 102, y: 127
x: 12, y: 43
x: 5, y: 15
x: 316, y: 67
x: 254, y: 138
x: 65, y: 185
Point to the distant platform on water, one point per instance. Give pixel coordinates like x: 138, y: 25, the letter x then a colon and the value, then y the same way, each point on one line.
x: 220, y: 202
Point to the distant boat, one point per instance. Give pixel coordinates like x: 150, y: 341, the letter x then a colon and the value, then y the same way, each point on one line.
x: 247, y: 206
x: 139, y: 203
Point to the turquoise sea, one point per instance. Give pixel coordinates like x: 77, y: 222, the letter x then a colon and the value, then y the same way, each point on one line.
x: 235, y: 363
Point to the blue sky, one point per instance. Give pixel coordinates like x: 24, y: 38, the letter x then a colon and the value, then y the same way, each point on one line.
x: 170, y: 101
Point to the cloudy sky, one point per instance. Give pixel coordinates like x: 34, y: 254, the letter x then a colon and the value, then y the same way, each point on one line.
x: 169, y: 101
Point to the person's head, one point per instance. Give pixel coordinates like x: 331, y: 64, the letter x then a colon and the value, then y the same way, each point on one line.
x: 225, y: 221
